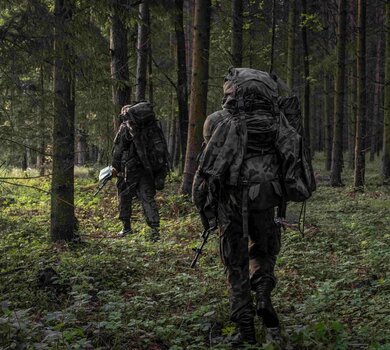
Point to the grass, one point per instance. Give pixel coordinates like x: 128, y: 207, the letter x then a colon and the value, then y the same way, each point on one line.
x: 109, y: 293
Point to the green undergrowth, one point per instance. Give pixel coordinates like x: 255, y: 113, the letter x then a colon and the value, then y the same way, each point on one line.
x: 109, y: 293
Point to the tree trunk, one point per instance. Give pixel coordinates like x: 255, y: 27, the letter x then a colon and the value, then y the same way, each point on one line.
x: 182, y: 87
x: 121, y: 91
x: 81, y: 147
x: 41, y: 137
x: 306, y: 69
x: 291, y: 44
x: 361, y: 98
x: 352, y: 117
x: 237, y: 8
x: 150, y: 65
x: 386, y: 117
x: 328, y: 124
x: 271, y: 66
x: 62, y: 188
x: 142, y: 50
x: 253, y: 10
x: 375, y: 129
x: 199, y: 87
x: 337, y: 147
x: 177, y: 161
x: 377, y: 93
x: 190, y: 9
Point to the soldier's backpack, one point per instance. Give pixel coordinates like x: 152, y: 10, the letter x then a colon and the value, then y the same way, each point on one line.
x: 255, y: 147
x: 149, y: 140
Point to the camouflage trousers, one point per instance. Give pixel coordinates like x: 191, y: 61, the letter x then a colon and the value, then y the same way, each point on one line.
x: 247, y: 260
x: 145, y: 190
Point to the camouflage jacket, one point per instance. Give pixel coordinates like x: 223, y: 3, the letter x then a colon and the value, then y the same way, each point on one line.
x: 124, y: 153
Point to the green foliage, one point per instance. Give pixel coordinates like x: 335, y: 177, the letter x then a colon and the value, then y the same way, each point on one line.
x: 129, y: 293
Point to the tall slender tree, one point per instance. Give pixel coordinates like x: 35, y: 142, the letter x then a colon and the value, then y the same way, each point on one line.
x: 199, y: 88
x: 271, y: 65
x: 386, y: 135
x: 121, y: 91
x: 182, y: 87
x: 42, y: 139
x: 237, y: 10
x: 62, y: 187
x: 328, y: 123
x: 142, y: 50
x: 306, y: 71
x: 352, y: 88
x: 352, y: 115
x: 361, y: 98
x: 337, y: 147
x: 291, y: 44
x: 377, y: 91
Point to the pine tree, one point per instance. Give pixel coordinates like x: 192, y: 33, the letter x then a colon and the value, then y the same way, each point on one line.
x: 386, y: 136
x: 199, y: 88
x: 62, y: 188
x: 121, y: 91
x: 337, y: 147
x: 361, y: 98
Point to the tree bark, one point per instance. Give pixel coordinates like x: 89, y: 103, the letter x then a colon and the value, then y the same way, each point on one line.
x: 237, y: 9
x: 377, y: 93
x: 62, y: 188
x: 361, y: 98
x: 142, y: 50
x: 337, y: 147
x: 150, y: 65
x: 41, y: 139
x: 199, y: 87
x: 352, y: 117
x: 386, y: 119
x: 121, y: 91
x: 291, y: 44
x: 182, y: 87
x: 271, y: 66
x: 328, y: 124
x: 306, y: 69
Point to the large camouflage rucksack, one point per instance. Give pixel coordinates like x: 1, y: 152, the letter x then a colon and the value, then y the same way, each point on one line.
x: 149, y: 140
x: 254, y: 147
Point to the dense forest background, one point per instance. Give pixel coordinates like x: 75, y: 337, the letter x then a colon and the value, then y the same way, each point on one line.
x: 66, y: 69
x: 116, y: 52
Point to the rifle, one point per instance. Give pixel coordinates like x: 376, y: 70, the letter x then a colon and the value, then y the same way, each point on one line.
x: 205, y: 236
x: 104, y: 176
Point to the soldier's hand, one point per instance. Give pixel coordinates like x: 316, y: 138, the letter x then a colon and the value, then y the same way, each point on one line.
x: 114, y: 172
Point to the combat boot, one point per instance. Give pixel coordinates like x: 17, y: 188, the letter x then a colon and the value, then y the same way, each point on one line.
x: 246, y: 333
x: 126, y: 229
x: 264, y: 306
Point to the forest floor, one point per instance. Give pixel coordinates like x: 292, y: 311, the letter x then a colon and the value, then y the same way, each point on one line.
x: 109, y: 293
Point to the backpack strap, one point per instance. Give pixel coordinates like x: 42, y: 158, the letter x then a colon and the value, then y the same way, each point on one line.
x: 245, y: 184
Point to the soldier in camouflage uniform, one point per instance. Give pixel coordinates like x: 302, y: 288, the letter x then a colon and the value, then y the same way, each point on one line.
x: 249, y: 257
x: 250, y: 261
x: 133, y: 180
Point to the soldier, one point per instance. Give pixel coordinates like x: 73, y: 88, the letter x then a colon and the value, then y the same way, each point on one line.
x: 238, y: 183
x: 135, y: 176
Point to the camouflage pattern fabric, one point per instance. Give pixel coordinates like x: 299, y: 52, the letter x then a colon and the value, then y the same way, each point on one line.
x: 247, y: 261
x: 133, y: 179
x: 291, y: 109
x: 223, y: 157
x: 252, y: 161
x: 145, y: 192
